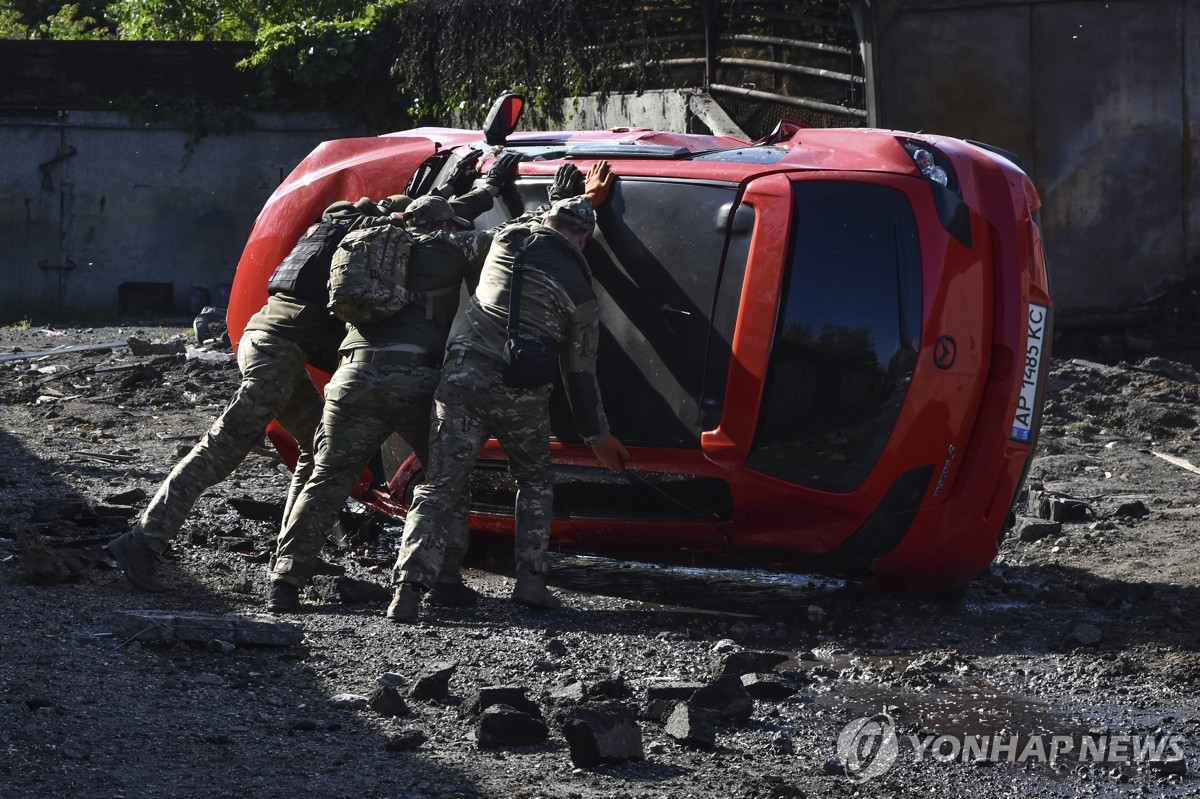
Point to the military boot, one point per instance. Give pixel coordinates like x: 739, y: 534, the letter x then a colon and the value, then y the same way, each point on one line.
x: 283, y: 598
x: 531, y: 590
x: 454, y: 593
x: 137, y: 560
x: 405, y: 604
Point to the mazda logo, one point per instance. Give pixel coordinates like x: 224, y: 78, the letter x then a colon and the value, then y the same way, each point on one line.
x: 944, y: 352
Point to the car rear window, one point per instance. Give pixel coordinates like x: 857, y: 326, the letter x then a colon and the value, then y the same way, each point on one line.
x: 846, y: 338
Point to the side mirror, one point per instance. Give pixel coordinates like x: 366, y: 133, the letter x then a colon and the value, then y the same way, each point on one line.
x: 502, y: 119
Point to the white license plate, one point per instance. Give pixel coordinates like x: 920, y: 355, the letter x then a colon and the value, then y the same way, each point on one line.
x: 1035, y: 351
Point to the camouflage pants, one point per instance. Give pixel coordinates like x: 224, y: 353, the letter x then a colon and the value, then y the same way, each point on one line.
x: 364, y: 404
x: 471, y: 404
x: 275, y: 385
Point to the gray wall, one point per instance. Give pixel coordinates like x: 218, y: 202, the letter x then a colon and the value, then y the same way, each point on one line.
x: 1100, y: 100
x: 89, y: 203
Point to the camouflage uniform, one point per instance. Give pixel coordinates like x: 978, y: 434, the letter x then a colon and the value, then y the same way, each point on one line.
x: 385, y: 384
x: 472, y: 402
x: 279, y: 341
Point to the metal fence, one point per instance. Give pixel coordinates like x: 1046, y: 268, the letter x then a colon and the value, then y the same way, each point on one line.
x: 763, y: 59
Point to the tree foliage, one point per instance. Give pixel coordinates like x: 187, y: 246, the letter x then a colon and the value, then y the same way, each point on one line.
x: 422, y: 61
x: 391, y: 63
x: 162, y: 20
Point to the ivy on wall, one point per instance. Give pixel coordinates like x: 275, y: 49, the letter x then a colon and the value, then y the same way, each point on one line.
x: 430, y: 61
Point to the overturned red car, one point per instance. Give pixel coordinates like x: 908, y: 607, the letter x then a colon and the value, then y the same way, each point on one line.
x: 826, y: 350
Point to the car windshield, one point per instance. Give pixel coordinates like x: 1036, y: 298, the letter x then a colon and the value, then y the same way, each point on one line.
x: 846, y: 337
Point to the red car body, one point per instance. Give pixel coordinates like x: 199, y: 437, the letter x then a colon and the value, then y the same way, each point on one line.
x: 825, y: 350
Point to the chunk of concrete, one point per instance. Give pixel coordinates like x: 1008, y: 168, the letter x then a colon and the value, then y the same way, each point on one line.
x: 1031, y: 529
x: 748, y: 662
x: 603, y: 733
x: 511, y: 695
x: 674, y: 690
x: 691, y: 727
x: 387, y: 701
x: 725, y: 698
x: 501, y: 725
x: 433, y: 684
x: 657, y: 710
x: 767, y: 686
x: 156, y: 626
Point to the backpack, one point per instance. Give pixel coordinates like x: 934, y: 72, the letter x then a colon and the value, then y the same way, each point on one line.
x: 304, y: 272
x: 368, y: 274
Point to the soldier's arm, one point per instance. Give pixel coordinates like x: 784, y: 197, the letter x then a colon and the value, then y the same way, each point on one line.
x: 579, y: 372
x: 473, y: 203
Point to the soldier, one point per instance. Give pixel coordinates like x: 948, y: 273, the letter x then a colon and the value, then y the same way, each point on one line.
x: 474, y: 402
x: 384, y: 384
x: 292, y: 330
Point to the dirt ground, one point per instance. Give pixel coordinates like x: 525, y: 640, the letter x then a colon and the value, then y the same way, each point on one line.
x: 1084, y: 628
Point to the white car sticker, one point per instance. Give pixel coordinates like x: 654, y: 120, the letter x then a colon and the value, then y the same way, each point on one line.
x: 1035, y: 351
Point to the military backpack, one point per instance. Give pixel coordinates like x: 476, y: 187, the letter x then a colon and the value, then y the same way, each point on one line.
x: 368, y: 276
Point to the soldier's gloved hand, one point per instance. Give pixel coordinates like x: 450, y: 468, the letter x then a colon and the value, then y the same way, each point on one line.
x: 598, y: 183
x: 568, y: 182
x: 502, y: 172
x: 611, y: 453
x: 462, y: 175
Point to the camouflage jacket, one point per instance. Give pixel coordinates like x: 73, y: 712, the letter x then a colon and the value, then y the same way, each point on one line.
x: 557, y: 302
x: 439, y: 261
x: 308, y: 324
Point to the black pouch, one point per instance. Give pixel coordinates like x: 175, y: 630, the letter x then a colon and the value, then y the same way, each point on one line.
x: 529, y: 361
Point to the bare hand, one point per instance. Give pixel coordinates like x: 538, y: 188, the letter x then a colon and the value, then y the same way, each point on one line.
x: 611, y: 453
x: 598, y: 182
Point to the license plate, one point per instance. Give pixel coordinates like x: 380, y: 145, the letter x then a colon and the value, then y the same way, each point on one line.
x: 1035, y: 352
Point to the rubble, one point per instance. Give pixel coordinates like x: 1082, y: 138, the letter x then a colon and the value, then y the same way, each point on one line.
x: 1022, y: 638
x: 167, y: 627
x: 602, y: 733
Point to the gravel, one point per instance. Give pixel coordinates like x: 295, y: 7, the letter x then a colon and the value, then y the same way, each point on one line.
x: 1085, y: 627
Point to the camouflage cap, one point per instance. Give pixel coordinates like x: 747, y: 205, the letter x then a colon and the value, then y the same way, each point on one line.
x: 430, y: 211
x: 576, y: 212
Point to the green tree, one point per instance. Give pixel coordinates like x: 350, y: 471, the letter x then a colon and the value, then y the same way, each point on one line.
x: 67, y: 24
x: 53, y: 19
x: 220, y: 20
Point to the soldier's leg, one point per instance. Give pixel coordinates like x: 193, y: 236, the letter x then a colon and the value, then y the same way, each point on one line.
x: 301, y: 417
x: 449, y: 587
x: 524, y: 432
x: 412, y: 420
x: 456, y: 436
x: 269, y: 366
x: 352, y: 428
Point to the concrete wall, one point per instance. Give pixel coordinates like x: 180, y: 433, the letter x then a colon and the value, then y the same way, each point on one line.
x: 1100, y: 100
x: 90, y: 203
